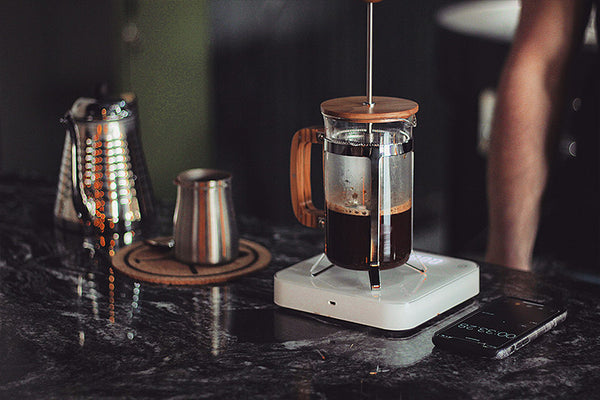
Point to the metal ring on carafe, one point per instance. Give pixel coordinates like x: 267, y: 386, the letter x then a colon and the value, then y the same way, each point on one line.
x: 348, y: 149
x: 356, y: 148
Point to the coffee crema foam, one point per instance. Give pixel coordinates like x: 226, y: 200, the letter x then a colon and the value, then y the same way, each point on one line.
x: 363, y: 212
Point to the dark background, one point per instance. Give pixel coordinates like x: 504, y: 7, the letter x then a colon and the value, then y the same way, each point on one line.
x: 226, y: 83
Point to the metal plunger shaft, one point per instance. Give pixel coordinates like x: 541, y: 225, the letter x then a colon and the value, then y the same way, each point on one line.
x: 374, y: 277
x: 370, y: 51
x: 370, y: 54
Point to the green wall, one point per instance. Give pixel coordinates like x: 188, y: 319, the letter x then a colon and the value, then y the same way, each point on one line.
x: 167, y: 68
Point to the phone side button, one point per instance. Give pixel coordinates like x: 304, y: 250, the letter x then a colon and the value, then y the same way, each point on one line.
x: 521, y: 343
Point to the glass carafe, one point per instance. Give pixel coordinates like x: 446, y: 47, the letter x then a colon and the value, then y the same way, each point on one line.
x: 368, y: 181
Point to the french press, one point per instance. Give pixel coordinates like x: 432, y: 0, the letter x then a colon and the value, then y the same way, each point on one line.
x: 368, y: 179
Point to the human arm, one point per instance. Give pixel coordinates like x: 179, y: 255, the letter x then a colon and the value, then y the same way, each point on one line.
x: 530, y: 97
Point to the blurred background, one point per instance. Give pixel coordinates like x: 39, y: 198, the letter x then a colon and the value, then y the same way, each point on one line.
x: 226, y: 83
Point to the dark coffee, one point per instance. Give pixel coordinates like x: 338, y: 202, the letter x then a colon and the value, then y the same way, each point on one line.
x: 348, y: 237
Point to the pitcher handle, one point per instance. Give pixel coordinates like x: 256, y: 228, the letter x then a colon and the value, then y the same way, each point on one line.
x: 300, y: 186
x: 79, y: 197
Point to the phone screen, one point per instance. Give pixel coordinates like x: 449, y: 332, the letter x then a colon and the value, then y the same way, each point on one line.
x: 498, y: 324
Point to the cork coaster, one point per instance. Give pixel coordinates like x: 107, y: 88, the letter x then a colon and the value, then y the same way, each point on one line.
x: 158, y: 265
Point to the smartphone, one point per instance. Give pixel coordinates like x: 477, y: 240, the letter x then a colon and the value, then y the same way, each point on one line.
x: 499, y: 328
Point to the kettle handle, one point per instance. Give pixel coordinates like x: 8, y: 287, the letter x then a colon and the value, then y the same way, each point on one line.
x: 79, y: 197
x: 300, y: 186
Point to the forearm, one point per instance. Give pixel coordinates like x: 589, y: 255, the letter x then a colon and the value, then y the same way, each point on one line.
x: 517, y: 167
x: 530, y: 96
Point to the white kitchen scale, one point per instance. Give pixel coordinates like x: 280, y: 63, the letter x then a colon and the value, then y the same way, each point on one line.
x: 426, y: 286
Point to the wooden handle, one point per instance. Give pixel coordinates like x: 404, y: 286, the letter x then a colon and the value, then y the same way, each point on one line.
x: 302, y: 203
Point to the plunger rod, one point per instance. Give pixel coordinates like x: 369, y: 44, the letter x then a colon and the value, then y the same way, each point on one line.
x: 370, y: 51
x: 370, y: 54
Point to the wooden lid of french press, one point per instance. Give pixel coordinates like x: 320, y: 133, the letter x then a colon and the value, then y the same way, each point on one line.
x: 356, y: 108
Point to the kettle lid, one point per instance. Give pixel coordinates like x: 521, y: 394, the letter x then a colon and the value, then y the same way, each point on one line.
x: 104, y: 109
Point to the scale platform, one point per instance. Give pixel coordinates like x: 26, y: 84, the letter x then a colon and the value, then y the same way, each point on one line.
x: 426, y: 286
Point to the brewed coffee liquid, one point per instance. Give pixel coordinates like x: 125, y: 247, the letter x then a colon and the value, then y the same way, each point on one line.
x: 348, y: 237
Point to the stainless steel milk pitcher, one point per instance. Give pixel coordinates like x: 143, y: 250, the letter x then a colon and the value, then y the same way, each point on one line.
x: 103, y: 179
x: 204, y: 223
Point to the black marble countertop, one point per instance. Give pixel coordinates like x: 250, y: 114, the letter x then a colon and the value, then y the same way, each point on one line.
x: 72, y: 327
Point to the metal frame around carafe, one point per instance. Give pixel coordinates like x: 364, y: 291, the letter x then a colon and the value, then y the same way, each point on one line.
x: 377, y: 153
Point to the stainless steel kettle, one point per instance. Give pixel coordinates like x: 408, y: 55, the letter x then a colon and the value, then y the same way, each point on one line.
x: 103, y: 179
